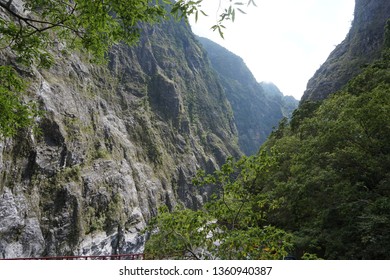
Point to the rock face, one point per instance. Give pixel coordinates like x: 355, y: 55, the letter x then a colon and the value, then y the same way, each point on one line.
x: 115, y: 142
x: 257, y: 107
x: 362, y: 45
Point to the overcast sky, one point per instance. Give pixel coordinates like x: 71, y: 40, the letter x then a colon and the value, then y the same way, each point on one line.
x: 282, y: 41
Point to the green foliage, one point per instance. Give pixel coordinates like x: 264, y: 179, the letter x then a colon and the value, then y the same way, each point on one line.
x: 188, y: 234
x: 69, y: 174
x: 306, y: 110
x: 30, y: 46
x: 229, y: 14
x: 308, y: 256
x: 232, y: 225
x: 93, y: 221
x: 182, y: 234
x: 92, y: 25
x: 14, y: 114
x: 114, y: 213
x: 186, y: 8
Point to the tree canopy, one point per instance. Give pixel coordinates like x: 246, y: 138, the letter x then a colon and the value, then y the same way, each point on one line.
x: 232, y: 225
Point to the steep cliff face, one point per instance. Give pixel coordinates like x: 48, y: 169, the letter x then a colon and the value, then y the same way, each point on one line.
x: 362, y: 45
x: 114, y: 143
x: 257, y: 107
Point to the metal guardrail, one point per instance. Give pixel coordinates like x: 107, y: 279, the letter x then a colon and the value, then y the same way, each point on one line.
x: 101, y: 257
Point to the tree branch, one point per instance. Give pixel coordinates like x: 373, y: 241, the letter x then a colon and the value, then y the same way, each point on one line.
x: 238, y: 213
x: 30, y: 21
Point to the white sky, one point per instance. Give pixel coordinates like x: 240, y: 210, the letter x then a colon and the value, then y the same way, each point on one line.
x: 282, y: 41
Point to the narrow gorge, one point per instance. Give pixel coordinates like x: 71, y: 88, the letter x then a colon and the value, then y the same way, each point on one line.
x: 111, y: 142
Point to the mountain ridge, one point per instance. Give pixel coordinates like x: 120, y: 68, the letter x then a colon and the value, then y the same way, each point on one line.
x: 257, y: 107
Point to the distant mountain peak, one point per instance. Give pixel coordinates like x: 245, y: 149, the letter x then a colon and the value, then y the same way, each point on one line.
x: 257, y: 107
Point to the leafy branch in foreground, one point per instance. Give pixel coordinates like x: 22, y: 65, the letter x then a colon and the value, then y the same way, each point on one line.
x: 229, y: 14
x: 91, y: 25
x: 232, y: 225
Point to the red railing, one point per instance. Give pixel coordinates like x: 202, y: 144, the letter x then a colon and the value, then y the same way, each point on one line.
x: 104, y: 257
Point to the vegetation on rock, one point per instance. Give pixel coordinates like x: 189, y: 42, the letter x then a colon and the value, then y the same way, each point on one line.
x: 14, y: 114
